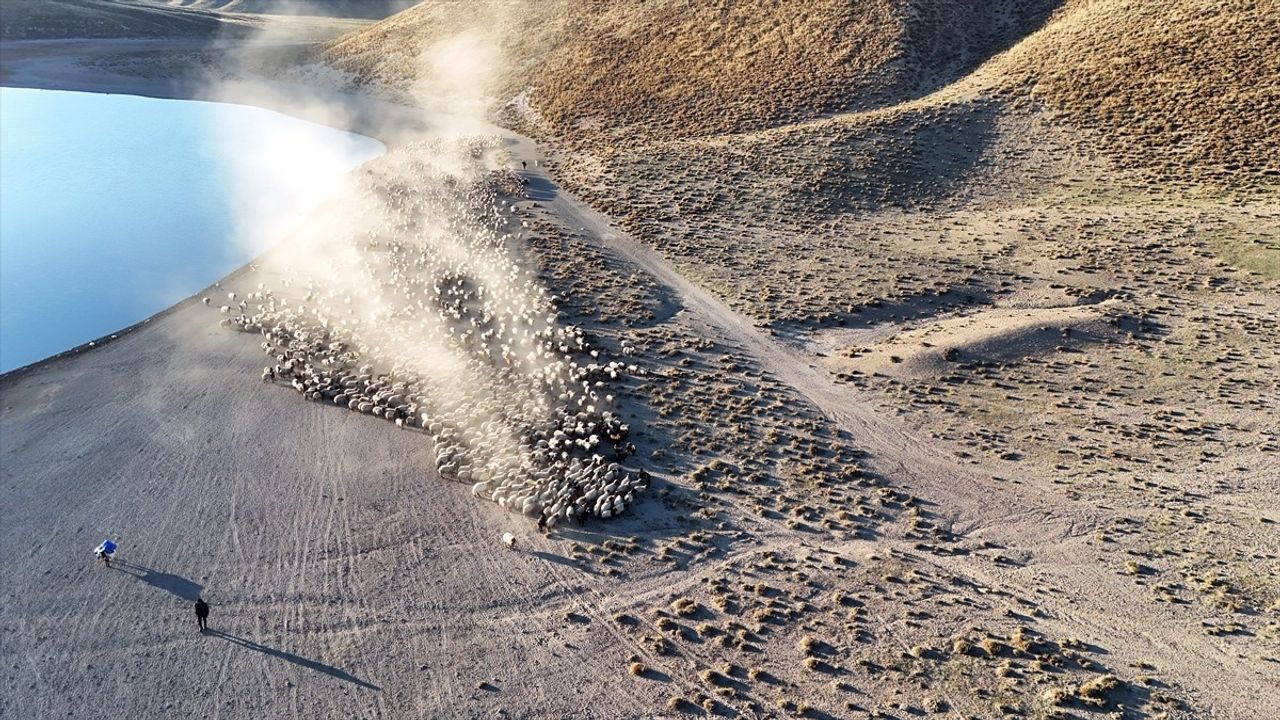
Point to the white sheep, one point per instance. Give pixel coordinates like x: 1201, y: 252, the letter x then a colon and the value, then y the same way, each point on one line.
x: 509, y: 540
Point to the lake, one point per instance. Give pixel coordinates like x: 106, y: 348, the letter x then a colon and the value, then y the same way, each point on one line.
x: 114, y: 207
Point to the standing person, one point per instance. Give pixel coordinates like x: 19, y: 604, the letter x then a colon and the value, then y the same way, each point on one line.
x: 524, y: 164
x: 105, y: 551
x: 202, y: 614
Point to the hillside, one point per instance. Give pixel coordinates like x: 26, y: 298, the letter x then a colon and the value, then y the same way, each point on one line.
x: 48, y: 19
x: 1189, y: 89
x: 1183, y: 89
x: 680, y: 68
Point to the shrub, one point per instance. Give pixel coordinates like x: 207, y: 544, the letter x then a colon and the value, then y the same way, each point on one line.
x: 991, y: 646
x: 684, y: 607
x: 1054, y: 696
x: 807, y: 644
x: 1098, y: 688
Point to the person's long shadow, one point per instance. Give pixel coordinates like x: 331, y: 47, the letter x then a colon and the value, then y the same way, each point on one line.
x: 538, y: 187
x: 176, y: 584
x: 295, y: 659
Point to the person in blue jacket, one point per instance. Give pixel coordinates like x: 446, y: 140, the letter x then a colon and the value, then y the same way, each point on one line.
x: 105, y: 551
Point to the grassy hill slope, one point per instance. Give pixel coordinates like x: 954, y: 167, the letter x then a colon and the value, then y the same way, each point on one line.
x: 1183, y: 88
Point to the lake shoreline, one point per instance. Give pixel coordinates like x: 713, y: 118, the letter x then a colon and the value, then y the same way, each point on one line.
x: 60, y: 65
x: 47, y: 65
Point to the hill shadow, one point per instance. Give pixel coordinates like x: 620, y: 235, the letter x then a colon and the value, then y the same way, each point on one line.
x: 944, y: 42
x: 308, y: 663
x: 921, y: 158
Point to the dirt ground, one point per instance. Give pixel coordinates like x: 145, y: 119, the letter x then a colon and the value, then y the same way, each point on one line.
x: 835, y: 529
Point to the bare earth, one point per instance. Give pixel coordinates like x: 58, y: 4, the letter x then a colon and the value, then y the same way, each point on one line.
x: 833, y: 532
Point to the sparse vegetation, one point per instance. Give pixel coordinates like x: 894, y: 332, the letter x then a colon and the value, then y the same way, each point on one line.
x: 957, y: 333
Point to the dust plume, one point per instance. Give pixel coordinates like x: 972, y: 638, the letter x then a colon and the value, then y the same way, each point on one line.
x: 405, y: 295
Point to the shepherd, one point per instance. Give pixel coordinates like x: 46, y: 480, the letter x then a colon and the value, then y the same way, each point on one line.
x: 105, y: 552
x: 202, y: 614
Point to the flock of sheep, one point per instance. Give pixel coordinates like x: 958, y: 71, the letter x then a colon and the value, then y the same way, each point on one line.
x: 404, y: 301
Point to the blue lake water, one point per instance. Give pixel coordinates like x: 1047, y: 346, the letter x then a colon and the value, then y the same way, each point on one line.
x: 113, y: 207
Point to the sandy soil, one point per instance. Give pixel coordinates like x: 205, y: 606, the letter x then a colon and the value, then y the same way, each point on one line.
x: 345, y: 579
x: 807, y: 551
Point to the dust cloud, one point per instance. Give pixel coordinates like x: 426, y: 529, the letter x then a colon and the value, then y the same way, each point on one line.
x: 405, y: 295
